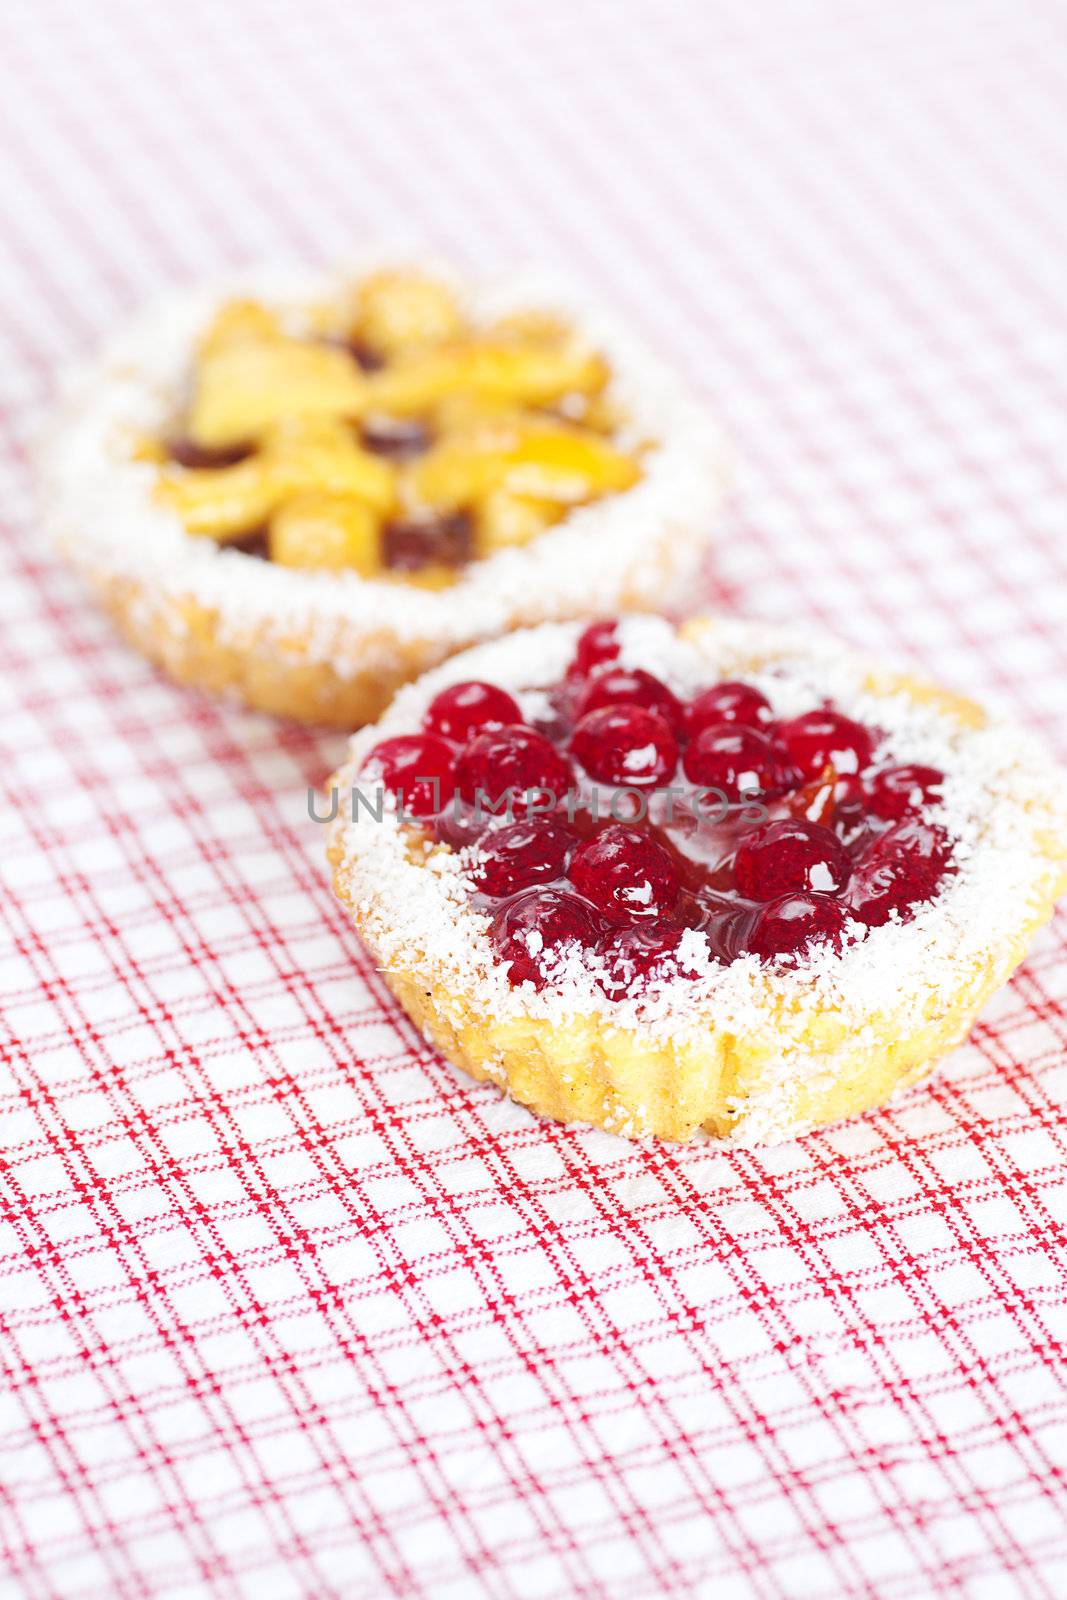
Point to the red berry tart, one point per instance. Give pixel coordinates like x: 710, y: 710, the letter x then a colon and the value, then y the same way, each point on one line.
x: 307, y: 492
x: 721, y: 879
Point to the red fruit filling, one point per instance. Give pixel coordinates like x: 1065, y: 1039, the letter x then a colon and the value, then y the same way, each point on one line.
x: 522, y: 854
x: 632, y: 957
x: 464, y: 709
x: 903, y: 791
x: 625, y: 873
x: 825, y: 738
x: 788, y: 857
x: 538, y: 925
x: 813, y: 835
x: 735, y: 760
x: 727, y: 702
x: 417, y: 768
x: 627, y: 746
x: 900, y: 868
x: 616, y: 686
x: 511, y: 761
x: 597, y: 643
x: 792, y: 925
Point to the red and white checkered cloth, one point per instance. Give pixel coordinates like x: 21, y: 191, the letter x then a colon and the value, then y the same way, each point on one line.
x: 287, y: 1308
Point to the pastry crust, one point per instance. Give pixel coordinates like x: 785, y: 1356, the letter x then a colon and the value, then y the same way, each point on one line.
x: 333, y: 647
x: 751, y: 1054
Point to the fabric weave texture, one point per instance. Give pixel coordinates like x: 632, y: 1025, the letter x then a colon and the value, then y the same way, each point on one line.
x: 287, y: 1308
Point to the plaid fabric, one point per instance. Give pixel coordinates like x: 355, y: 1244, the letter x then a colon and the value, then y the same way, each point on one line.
x: 286, y: 1307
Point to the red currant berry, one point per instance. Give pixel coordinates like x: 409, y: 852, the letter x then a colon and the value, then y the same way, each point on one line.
x: 417, y: 768
x: 821, y: 739
x: 901, y: 869
x: 522, y: 854
x: 790, y: 926
x: 901, y: 791
x: 529, y: 931
x: 635, y: 957
x: 726, y: 702
x: 511, y: 761
x: 786, y: 857
x: 597, y: 643
x: 464, y: 709
x: 627, y: 874
x: 735, y: 760
x: 617, y: 686
x: 626, y: 745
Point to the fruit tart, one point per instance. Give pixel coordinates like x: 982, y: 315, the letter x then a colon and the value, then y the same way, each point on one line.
x: 306, y: 492
x: 727, y: 879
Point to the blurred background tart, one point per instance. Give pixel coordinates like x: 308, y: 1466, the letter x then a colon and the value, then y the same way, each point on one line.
x: 306, y: 490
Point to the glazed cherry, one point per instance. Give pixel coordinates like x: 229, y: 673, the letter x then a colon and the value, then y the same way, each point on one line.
x: 898, y: 792
x: 824, y: 738
x: 726, y: 702
x: 635, y: 957
x: 626, y: 745
x: 522, y: 854
x: 902, y: 868
x: 417, y: 768
x: 538, y: 924
x: 618, y: 686
x: 625, y: 873
x: 597, y: 643
x: 791, y: 926
x: 464, y: 709
x: 735, y: 760
x: 511, y: 760
x: 787, y: 857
